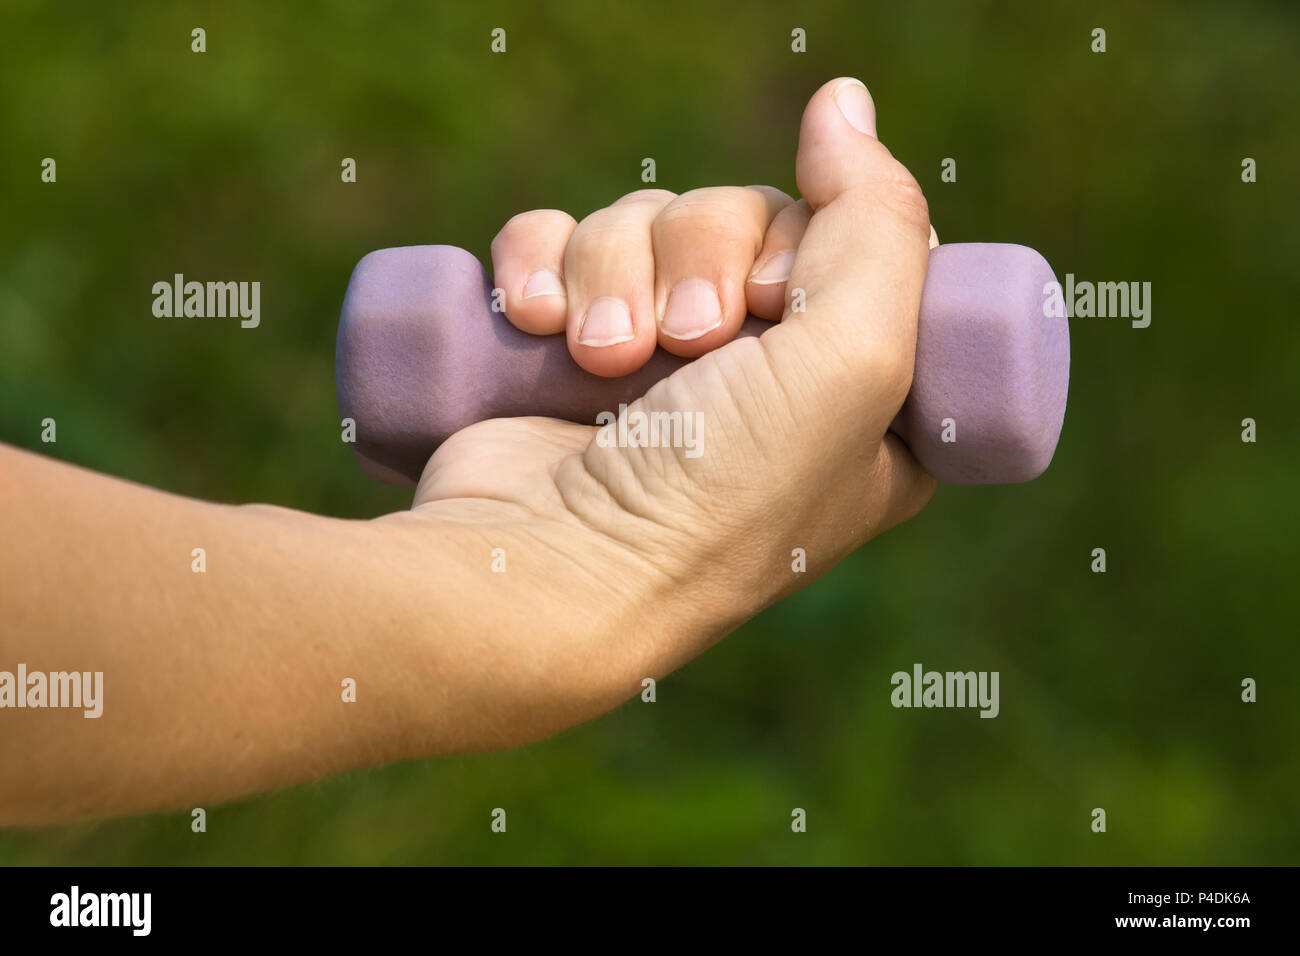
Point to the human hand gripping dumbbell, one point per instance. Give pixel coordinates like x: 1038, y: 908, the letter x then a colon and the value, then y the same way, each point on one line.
x: 626, y: 559
x: 648, y: 284
x: 422, y: 353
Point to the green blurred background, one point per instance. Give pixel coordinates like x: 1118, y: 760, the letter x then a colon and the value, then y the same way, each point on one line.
x: 1118, y: 690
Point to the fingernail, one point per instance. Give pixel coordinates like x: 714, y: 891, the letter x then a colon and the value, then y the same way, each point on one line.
x: 608, y: 322
x: 693, y: 310
x: 543, y: 282
x: 775, y: 269
x: 855, y: 104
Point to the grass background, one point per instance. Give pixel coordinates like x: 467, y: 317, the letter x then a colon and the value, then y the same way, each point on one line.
x: 1119, y: 690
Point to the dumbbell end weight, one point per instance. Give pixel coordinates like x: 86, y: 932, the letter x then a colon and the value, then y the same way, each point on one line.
x: 992, y: 367
x: 421, y: 354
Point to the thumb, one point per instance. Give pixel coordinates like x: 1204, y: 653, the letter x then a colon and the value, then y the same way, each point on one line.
x: 797, y: 417
x: 860, y: 267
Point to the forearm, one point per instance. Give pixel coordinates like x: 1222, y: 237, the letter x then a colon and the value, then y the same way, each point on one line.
x: 230, y: 680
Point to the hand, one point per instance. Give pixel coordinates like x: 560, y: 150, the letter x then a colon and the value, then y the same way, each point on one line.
x: 662, y: 551
x: 653, y: 269
x: 621, y: 561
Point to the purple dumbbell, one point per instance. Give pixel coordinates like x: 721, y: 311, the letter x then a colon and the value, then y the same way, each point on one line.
x: 421, y: 355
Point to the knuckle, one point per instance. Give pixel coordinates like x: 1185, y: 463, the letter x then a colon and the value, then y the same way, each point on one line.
x: 903, y: 195
x: 883, y: 367
x: 534, y: 220
x: 890, y: 372
x: 602, y: 228
x: 724, y: 212
x: 659, y: 196
x: 771, y: 193
x: 794, y: 216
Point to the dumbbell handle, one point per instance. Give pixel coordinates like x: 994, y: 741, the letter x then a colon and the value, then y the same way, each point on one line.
x: 421, y: 354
